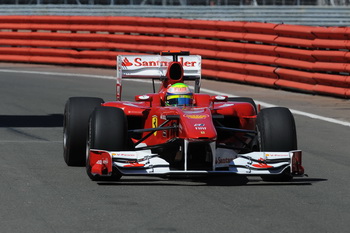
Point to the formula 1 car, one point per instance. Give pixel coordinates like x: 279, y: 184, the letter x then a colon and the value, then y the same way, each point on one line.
x: 211, y: 135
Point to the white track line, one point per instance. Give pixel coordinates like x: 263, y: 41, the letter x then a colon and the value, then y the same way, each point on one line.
x: 297, y: 112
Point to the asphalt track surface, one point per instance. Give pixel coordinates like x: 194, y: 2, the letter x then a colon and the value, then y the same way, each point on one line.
x: 39, y: 193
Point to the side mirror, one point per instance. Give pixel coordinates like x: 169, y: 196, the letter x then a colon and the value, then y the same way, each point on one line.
x: 218, y: 98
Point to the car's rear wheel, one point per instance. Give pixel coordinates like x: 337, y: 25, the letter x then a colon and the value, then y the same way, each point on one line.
x: 75, y: 125
x: 276, y: 133
x: 107, y: 131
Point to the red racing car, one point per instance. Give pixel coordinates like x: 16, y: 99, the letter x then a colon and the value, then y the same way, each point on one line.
x: 177, y: 131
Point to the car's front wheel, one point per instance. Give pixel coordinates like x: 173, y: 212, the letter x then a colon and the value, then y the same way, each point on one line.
x: 107, y: 131
x: 276, y: 133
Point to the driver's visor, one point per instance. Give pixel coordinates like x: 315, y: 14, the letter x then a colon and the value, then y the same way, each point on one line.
x: 179, y: 100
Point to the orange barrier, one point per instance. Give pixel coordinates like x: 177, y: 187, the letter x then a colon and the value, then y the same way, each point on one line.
x: 304, y: 58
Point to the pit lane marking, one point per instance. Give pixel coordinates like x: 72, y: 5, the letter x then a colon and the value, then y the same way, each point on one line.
x: 294, y: 111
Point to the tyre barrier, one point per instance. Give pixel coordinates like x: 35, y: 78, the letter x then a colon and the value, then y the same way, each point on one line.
x: 303, y: 58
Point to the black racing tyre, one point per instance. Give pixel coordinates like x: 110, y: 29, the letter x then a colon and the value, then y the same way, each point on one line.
x: 75, y: 127
x: 276, y: 132
x: 107, y: 131
x: 244, y: 100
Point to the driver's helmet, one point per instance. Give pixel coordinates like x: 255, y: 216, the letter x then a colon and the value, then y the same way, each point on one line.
x: 179, y: 94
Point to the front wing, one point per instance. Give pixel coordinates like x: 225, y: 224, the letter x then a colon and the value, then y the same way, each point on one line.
x: 145, y: 163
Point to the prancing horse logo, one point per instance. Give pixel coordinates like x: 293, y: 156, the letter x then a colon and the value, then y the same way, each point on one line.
x: 154, y: 123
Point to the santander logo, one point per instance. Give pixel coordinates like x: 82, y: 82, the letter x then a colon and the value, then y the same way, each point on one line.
x: 126, y: 62
x: 149, y: 63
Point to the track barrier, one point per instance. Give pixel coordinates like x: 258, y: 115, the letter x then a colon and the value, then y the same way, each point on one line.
x: 303, y: 58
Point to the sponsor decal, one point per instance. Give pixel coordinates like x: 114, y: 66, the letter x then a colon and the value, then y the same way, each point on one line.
x: 220, y: 160
x: 262, y: 164
x: 196, y: 116
x: 154, y: 123
x: 126, y: 62
x: 155, y: 63
x: 124, y: 154
x: 276, y: 155
x: 224, y: 157
x: 104, y: 161
x: 200, y: 127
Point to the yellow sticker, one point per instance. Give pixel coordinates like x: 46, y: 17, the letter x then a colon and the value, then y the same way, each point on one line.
x: 154, y: 123
x: 196, y: 116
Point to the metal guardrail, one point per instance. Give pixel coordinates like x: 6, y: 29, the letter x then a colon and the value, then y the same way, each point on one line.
x: 182, y: 2
x: 298, y: 15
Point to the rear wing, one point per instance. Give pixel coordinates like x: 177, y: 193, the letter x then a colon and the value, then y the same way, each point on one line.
x: 155, y: 67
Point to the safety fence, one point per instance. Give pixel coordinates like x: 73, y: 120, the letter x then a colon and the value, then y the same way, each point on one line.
x: 178, y: 2
x: 304, y: 58
x: 296, y: 15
